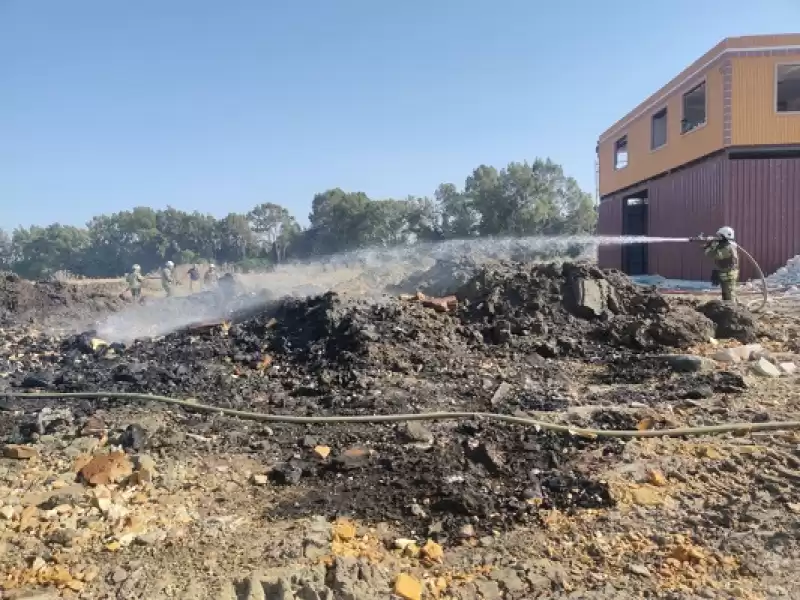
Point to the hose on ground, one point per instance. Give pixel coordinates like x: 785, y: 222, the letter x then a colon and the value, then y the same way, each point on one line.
x: 763, y: 279
x: 191, y: 406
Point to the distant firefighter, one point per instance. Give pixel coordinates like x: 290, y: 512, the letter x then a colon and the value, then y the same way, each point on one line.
x: 168, y: 277
x: 135, y: 279
x: 211, y: 277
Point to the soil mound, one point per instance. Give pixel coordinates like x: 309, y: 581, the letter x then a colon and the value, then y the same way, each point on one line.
x: 49, y: 301
x: 732, y: 321
x: 441, y: 279
x: 561, y: 307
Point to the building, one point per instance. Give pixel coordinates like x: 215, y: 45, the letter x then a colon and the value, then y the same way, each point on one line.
x: 717, y: 145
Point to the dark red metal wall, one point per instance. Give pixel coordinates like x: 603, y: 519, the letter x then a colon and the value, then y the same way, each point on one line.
x: 763, y: 206
x: 682, y: 204
x: 609, y: 222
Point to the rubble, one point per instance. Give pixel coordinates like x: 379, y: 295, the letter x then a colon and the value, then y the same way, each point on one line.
x: 431, y: 504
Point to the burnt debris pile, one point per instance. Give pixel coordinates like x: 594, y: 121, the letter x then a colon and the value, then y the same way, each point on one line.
x: 329, y: 355
x: 574, y: 309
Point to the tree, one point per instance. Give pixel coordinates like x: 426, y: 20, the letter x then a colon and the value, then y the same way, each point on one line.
x: 41, y: 251
x: 528, y: 199
x: 275, y: 227
x: 523, y: 199
x: 459, y: 218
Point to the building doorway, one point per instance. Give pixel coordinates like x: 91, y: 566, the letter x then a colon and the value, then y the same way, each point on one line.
x: 635, y: 222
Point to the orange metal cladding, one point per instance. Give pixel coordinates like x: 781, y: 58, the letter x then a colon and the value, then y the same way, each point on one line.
x: 755, y: 120
x: 681, y: 148
x: 683, y: 204
x: 763, y: 207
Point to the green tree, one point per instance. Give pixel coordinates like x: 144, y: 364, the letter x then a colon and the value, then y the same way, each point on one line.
x: 6, y: 251
x: 42, y: 251
x: 274, y: 227
x: 459, y: 218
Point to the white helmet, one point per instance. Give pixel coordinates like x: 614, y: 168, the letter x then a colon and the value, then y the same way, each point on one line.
x: 211, y: 267
x: 170, y: 264
x: 725, y: 232
x: 137, y: 268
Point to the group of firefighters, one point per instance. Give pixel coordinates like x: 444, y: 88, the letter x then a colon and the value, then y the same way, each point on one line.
x: 169, y: 279
x: 721, y: 248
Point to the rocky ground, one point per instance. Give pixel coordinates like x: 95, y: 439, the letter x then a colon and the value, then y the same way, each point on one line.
x: 116, y: 499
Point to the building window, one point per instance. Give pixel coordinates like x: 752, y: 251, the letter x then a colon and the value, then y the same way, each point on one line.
x: 658, y: 129
x: 694, y: 108
x: 787, y: 79
x: 621, y: 152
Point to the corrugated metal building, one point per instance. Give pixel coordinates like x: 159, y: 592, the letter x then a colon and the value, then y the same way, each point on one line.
x: 718, y: 145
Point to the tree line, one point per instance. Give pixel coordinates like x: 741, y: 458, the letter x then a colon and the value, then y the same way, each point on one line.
x: 521, y: 199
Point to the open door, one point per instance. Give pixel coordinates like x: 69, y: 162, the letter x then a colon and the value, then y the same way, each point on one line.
x: 635, y: 221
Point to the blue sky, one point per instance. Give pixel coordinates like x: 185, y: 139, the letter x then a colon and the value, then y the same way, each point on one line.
x: 216, y: 106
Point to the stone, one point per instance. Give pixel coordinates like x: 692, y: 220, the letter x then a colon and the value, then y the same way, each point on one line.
x: 467, y: 531
x: 638, y: 569
x: 286, y: 474
x: 646, y: 496
x: 259, y: 479
x: 788, y: 368
x: 408, y: 587
x: 486, y: 454
x: 432, y: 551
x: 7, y: 512
x: 119, y: 575
x: 151, y: 537
x: 353, y: 458
x: 102, y: 469
x: 489, y: 590
x: 509, y: 580
x: 656, y: 478
x: 501, y: 393
x: 688, y: 363
x: 322, y: 452
x: 82, y: 445
x: 589, y: 298
x: 19, y: 452
x: 414, y: 431
x: 134, y: 438
x: 765, y: 368
x: 65, y: 537
x: 344, y: 530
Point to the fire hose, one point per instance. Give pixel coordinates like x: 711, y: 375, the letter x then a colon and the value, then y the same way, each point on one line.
x: 190, y: 405
x: 756, y: 266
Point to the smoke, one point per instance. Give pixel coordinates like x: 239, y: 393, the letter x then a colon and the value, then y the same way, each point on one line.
x: 365, y: 273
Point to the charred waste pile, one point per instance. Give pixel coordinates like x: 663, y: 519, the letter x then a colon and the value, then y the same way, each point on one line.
x: 495, y: 345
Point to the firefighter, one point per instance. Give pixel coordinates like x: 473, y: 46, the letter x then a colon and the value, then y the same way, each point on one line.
x: 211, y: 277
x: 194, y: 276
x: 168, y: 277
x: 723, y: 251
x: 135, y: 279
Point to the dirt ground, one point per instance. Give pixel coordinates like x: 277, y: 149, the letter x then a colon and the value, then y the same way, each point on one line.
x: 110, y: 498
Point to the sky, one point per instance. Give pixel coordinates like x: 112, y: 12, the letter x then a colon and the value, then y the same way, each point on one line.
x: 217, y: 106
